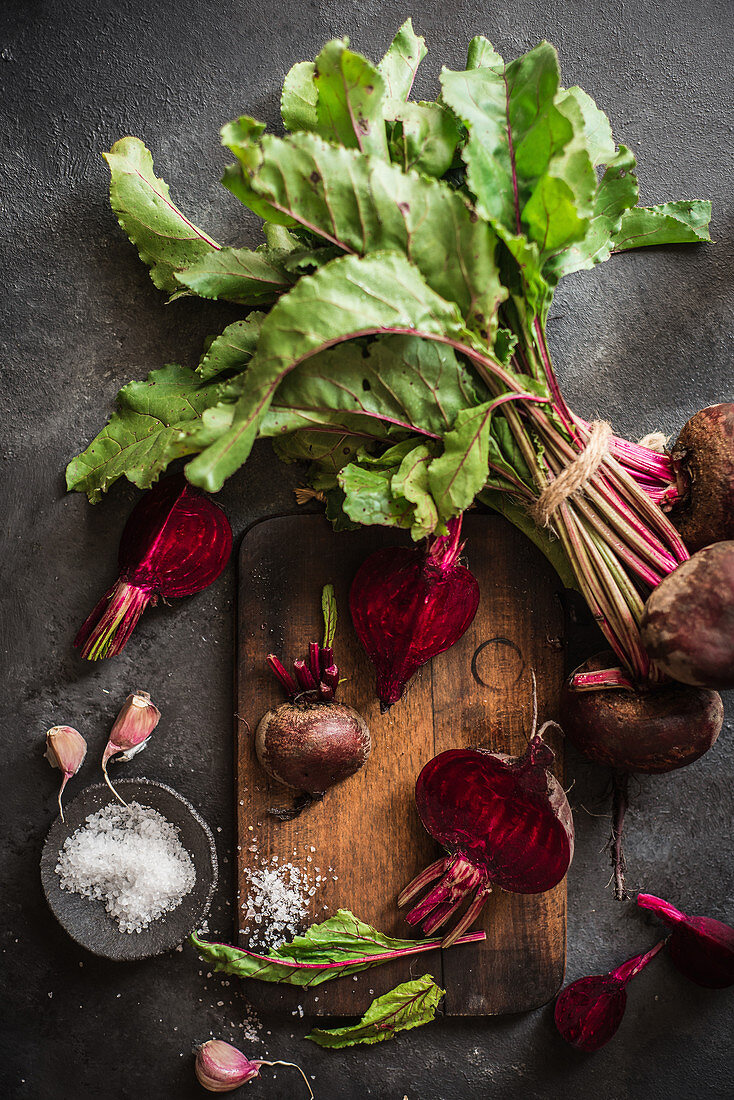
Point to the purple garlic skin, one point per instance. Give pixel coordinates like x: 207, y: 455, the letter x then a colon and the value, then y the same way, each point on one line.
x: 221, y: 1067
x: 133, y: 726
x: 65, y: 749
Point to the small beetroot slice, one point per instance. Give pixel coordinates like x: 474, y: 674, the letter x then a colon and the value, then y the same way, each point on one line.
x: 703, y: 460
x: 504, y: 820
x: 702, y: 948
x: 589, y: 1011
x: 688, y: 623
x: 409, y: 605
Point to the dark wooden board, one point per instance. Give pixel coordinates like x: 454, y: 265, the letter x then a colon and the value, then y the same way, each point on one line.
x: 367, y: 829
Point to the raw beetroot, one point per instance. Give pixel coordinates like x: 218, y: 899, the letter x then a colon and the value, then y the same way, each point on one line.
x: 504, y: 820
x: 702, y: 948
x: 688, y: 622
x: 589, y: 1011
x: 409, y: 605
x: 646, y: 728
x: 312, y: 742
x: 649, y: 729
x: 703, y: 461
x: 175, y: 542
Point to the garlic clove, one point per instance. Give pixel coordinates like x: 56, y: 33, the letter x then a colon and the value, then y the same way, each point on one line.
x: 134, y: 724
x: 221, y: 1067
x: 132, y: 728
x: 65, y: 749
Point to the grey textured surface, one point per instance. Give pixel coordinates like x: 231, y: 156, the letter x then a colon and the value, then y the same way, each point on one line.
x: 644, y: 339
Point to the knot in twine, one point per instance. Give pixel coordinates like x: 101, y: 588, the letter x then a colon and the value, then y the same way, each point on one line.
x: 576, y: 475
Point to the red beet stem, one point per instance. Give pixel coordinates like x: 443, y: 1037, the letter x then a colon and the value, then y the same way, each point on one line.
x: 327, y: 656
x: 603, y: 678
x: 314, y: 661
x: 107, y: 629
x: 460, y: 880
x: 331, y: 676
x: 291, y: 688
x: 661, y: 908
x: 429, y: 874
x: 469, y: 917
x: 626, y: 971
x: 444, y: 550
x: 303, y: 675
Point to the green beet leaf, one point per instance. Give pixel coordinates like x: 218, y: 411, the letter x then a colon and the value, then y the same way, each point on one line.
x: 362, y: 204
x: 515, y: 132
x: 232, y: 349
x: 402, y: 380
x: 347, y: 298
x: 165, y: 238
x: 400, y: 63
x: 423, y: 137
x: 148, y: 431
x: 239, y: 275
x: 411, y: 481
x: 369, y: 499
x: 339, y: 946
x: 409, y: 1005
x: 328, y: 450
x: 392, y: 489
x: 461, y: 471
x: 684, y: 222
x: 350, y: 99
x: 299, y: 98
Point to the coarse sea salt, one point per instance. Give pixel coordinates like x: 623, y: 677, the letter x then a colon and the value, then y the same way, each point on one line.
x: 277, y: 904
x: 132, y: 859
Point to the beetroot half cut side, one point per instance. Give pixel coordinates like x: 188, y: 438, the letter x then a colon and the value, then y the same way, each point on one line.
x: 505, y: 821
x: 175, y: 543
x: 409, y: 605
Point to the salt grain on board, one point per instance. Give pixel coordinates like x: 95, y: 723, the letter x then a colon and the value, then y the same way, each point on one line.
x: 132, y: 859
x: 277, y: 904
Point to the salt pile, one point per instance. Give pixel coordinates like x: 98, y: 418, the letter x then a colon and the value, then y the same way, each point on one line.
x: 277, y: 904
x: 131, y: 858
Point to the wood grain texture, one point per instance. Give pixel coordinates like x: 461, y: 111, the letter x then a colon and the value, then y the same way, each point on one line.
x: 367, y: 829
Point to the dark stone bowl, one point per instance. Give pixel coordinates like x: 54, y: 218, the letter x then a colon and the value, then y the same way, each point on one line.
x: 87, y: 921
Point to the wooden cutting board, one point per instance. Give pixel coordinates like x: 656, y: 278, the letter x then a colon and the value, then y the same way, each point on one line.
x: 367, y: 829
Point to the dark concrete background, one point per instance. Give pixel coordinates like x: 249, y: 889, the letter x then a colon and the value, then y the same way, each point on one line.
x: 643, y: 339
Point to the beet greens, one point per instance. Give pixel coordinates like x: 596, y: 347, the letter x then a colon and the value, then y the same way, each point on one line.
x: 422, y: 243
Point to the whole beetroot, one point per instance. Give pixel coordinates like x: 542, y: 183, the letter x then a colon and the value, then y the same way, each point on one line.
x: 311, y: 742
x: 703, y: 460
x: 635, y: 728
x: 688, y: 624
x: 649, y: 730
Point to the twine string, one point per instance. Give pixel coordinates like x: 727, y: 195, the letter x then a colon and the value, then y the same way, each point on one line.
x: 576, y: 475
